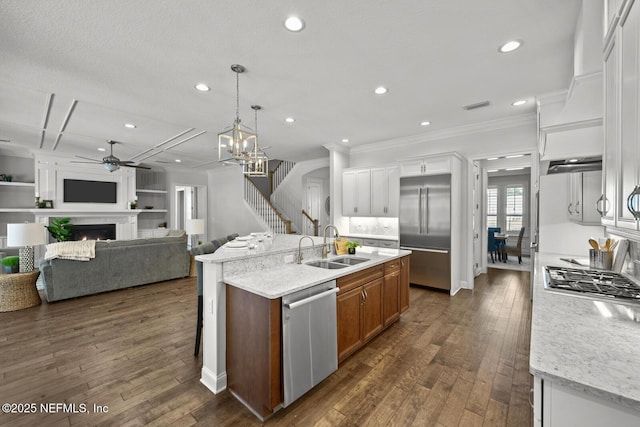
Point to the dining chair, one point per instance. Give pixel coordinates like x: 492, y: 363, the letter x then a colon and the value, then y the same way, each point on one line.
x: 492, y: 244
x: 517, y: 249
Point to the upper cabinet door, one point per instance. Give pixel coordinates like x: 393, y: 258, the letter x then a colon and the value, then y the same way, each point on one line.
x: 607, y: 202
x: 412, y: 168
x: 628, y: 38
x: 356, y: 192
x: 385, y: 189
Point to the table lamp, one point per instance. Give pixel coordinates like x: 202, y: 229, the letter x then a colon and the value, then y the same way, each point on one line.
x: 25, y: 236
x: 194, y: 228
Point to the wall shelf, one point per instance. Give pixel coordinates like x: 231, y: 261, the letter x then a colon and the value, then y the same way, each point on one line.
x: 139, y: 190
x: 153, y: 210
x: 21, y: 210
x: 18, y: 184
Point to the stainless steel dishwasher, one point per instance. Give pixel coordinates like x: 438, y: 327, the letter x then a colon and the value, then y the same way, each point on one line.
x: 309, y: 338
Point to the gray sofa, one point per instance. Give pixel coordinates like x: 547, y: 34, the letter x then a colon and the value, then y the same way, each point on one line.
x: 118, y: 264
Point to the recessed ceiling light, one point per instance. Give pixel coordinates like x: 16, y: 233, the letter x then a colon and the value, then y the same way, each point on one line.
x: 178, y: 160
x: 514, y: 169
x: 510, y: 46
x: 519, y: 102
x: 425, y: 123
x: 493, y: 170
x: 514, y: 156
x: 293, y: 23
x: 380, y: 90
x: 130, y: 126
x: 289, y: 120
x: 102, y: 149
x: 202, y: 87
x: 492, y: 158
x: 345, y: 140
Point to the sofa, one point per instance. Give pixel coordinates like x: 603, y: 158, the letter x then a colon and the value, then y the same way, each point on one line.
x: 117, y: 264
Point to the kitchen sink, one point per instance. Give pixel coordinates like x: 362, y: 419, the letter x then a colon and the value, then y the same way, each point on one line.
x: 350, y: 260
x: 326, y: 264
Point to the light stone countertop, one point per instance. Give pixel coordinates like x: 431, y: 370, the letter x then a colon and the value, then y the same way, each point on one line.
x: 574, y: 345
x: 281, y: 280
x: 281, y: 243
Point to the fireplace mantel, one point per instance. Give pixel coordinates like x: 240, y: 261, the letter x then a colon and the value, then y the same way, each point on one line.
x: 126, y: 220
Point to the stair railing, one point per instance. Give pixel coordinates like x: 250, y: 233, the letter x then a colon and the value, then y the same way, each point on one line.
x: 307, y: 218
x: 265, y: 209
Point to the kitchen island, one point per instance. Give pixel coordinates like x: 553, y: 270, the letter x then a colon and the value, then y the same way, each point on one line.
x: 255, y: 281
x: 584, y: 356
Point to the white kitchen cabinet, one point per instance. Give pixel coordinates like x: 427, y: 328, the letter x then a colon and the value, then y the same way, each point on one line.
x: 622, y: 112
x: 385, y: 191
x: 356, y: 192
x: 432, y: 165
x: 555, y: 405
x: 584, y: 190
x: 629, y: 37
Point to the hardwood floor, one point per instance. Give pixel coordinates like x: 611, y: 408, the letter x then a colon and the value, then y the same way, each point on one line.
x: 460, y: 361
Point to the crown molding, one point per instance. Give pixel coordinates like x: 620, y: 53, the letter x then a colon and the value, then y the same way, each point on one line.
x: 491, y: 125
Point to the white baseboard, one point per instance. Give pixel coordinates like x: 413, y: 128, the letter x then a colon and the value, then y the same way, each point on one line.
x: 215, y: 383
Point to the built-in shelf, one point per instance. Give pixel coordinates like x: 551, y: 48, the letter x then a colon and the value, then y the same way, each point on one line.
x: 18, y: 184
x: 151, y: 191
x: 153, y: 210
x: 21, y: 210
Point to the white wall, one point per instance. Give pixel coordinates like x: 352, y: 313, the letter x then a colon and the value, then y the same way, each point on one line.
x: 557, y: 234
x: 228, y: 212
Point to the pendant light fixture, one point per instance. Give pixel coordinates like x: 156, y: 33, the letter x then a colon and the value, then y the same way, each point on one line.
x: 237, y: 142
x: 258, y: 163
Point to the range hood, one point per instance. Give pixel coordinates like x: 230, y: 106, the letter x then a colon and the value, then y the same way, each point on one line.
x: 576, y: 164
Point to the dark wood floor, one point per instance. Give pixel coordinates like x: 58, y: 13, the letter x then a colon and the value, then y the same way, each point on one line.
x: 460, y: 361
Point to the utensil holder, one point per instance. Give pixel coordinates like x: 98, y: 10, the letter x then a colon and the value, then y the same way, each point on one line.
x: 602, y: 260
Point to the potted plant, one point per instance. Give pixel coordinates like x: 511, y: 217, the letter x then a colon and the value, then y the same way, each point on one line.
x: 60, y: 229
x: 11, y: 264
x: 351, y: 246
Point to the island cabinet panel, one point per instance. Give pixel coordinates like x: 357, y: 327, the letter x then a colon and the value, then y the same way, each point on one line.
x: 404, y: 284
x: 349, y: 322
x: 391, y: 292
x: 369, y: 301
x: 372, y: 309
x: 254, y: 372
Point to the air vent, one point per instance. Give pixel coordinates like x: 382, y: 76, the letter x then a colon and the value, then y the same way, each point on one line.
x: 476, y: 105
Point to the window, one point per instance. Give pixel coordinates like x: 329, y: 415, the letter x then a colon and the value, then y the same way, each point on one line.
x: 492, y: 206
x: 514, y: 207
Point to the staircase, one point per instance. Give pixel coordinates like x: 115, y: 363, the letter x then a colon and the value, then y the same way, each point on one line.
x: 263, y: 207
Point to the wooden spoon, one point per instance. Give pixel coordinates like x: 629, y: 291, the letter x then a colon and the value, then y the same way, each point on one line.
x: 607, y: 245
x: 594, y: 244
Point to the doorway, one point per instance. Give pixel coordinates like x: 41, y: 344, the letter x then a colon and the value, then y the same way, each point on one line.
x: 504, y: 195
x: 190, y: 203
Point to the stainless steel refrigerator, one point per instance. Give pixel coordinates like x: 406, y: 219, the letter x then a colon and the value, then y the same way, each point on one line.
x: 425, y: 228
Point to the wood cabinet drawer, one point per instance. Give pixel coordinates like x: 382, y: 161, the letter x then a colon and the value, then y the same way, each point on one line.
x: 391, y: 266
x: 359, y: 278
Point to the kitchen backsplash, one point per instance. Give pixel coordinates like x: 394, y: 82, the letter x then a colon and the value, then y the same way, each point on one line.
x: 374, y: 226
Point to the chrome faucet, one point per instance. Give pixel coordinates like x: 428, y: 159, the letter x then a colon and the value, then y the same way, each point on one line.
x: 326, y: 249
x: 300, y: 247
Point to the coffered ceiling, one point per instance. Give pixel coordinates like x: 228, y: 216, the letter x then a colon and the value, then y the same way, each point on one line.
x: 75, y: 71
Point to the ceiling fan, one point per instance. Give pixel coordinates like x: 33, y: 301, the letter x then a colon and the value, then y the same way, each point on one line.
x: 111, y: 162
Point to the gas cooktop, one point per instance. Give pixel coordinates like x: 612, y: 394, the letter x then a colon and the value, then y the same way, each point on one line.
x: 597, y: 282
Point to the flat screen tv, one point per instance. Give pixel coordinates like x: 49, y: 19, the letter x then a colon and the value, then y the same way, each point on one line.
x: 81, y: 191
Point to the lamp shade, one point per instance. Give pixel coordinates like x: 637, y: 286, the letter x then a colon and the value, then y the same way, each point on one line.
x: 195, y: 226
x: 25, y: 234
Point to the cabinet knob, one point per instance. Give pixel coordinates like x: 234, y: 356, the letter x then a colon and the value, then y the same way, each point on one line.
x: 633, y: 202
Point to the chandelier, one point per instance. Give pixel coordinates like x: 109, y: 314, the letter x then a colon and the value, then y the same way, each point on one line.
x: 258, y: 163
x: 239, y: 142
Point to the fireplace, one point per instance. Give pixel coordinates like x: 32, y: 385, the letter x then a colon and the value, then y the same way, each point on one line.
x: 93, y: 232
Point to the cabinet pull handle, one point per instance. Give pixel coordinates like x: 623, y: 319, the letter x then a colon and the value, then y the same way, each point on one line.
x: 578, y: 207
x: 531, y: 397
x: 599, y: 202
x: 633, y: 202
x: 569, y: 209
